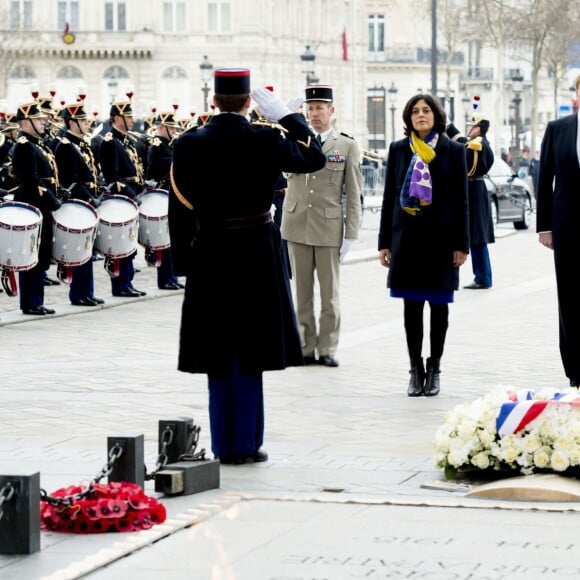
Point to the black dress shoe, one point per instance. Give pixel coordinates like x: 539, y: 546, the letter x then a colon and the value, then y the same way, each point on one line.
x: 327, y: 360
x: 38, y: 311
x: 50, y: 281
x: 140, y: 292
x: 96, y: 300
x: 171, y: 286
x: 256, y: 457
x: 83, y: 302
x: 476, y: 286
x: 129, y: 293
x: 310, y: 360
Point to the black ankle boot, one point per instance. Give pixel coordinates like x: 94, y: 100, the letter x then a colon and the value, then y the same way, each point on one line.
x: 417, y: 378
x: 432, y: 384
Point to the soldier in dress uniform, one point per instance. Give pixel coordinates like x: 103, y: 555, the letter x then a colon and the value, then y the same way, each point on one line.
x: 320, y: 222
x: 158, y: 166
x: 479, y: 161
x: 225, y: 234
x: 8, y: 132
x: 122, y: 173
x: 35, y: 168
x: 78, y: 177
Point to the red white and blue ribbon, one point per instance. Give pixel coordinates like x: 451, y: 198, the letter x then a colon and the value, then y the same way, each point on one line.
x: 521, y: 409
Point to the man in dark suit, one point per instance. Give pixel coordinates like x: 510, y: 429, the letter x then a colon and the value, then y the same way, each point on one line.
x: 558, y: 208
x: 237, y: 317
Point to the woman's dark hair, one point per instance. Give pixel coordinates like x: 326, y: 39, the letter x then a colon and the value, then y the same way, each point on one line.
x: 434, y: 103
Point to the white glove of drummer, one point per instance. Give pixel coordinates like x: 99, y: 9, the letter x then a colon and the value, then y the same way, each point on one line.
x: 270, y: 105
x: 345, y: 247
x: 294, y: 104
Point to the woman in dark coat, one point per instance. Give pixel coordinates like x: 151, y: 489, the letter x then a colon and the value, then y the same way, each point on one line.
x: 238, y: 317
x: 424, y: 231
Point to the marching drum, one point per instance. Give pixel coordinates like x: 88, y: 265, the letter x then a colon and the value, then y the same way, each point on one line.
x: 74, y: 227
x: 118, y: 226
x: 20, y: 225
x: 153, y: 221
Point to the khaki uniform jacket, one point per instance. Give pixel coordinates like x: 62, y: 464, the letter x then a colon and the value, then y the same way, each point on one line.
x: 314, y: 212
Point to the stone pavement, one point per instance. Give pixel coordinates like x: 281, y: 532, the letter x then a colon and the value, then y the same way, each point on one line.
x: 350, y: 490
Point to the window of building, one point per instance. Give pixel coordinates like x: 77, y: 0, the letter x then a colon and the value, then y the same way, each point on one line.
x: 22, y: 72
x: 21, y: 15
x: 174, y: 72
x: 115, y: 16
x: 69, y: 72
x: 376, y: 33
x: 219, y: 16
x: 68, y: 12
x: 174, y: 16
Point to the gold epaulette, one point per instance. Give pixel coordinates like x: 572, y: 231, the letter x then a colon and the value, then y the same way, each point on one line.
x: 156, y: 142
x: 108, y: 136
x: 476, y: 144
x: 271, y: 124
x: 22, y: 139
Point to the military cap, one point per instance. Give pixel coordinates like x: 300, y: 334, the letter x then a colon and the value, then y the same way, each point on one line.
x: 167, y: 118
x: 318, y: 93
x: 121, y: 108
x: 8, y: 122
x: 29, y: 111
x: 74, y: 111
x: 479, y: 121
x: 45, y: 105
x: 232, y: 81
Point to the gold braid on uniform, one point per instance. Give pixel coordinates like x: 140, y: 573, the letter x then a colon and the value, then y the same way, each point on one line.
x: 305, y: 143
x: 476, y: 146
x: 178, y: 193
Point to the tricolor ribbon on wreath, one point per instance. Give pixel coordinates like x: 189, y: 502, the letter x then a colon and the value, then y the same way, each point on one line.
x: 521, y: 409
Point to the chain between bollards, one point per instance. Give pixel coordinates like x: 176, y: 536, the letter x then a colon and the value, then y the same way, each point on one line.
x: 6, y: 494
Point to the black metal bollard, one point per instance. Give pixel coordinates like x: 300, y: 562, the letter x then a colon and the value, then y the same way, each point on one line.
x: 130, y: 466
x: 179, y: 442
x: 19, y: 514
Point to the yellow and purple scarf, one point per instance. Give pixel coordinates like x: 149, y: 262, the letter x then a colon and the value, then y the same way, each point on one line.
x: 417, y: 190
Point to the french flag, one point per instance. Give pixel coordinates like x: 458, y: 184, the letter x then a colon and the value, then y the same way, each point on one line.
x: 521, y: 409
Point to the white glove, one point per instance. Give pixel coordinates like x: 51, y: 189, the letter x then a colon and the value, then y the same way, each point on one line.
x: 294, y: 104
x: 347, y: 244
x: 273, y: 210
x: 270, y: 105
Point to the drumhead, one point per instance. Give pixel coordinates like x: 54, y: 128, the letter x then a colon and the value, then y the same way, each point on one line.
x: 14, y: 213
x: 75, y: 214
x: 117, y: 210
x: 154, y: 204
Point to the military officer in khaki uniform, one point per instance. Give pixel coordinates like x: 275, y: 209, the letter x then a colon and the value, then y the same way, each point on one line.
x: 321, y: 218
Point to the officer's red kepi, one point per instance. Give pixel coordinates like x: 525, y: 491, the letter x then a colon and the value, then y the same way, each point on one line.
x: 232, y: 81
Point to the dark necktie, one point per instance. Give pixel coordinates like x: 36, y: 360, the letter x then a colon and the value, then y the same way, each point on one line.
x: 319, y: 139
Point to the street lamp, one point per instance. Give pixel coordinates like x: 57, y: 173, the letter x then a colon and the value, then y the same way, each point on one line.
x: 466, y: 102
x: 308, y: 58
x: 517, y: 79
x: 392, y: 90
x: 206, y: 69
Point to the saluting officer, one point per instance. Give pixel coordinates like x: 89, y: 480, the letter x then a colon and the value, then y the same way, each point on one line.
x: 158, y: 166
x: 35, y: 168
x: 78, y: 176
x: 234, y: 334
x: 321, y: 220
x: 123, y: 175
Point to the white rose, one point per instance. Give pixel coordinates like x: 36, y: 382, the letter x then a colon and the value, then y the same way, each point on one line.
x: 559, y: 461
x: 542, y: 457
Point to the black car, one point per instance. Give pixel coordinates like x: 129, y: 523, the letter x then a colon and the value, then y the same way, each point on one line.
x: 510, y: 196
